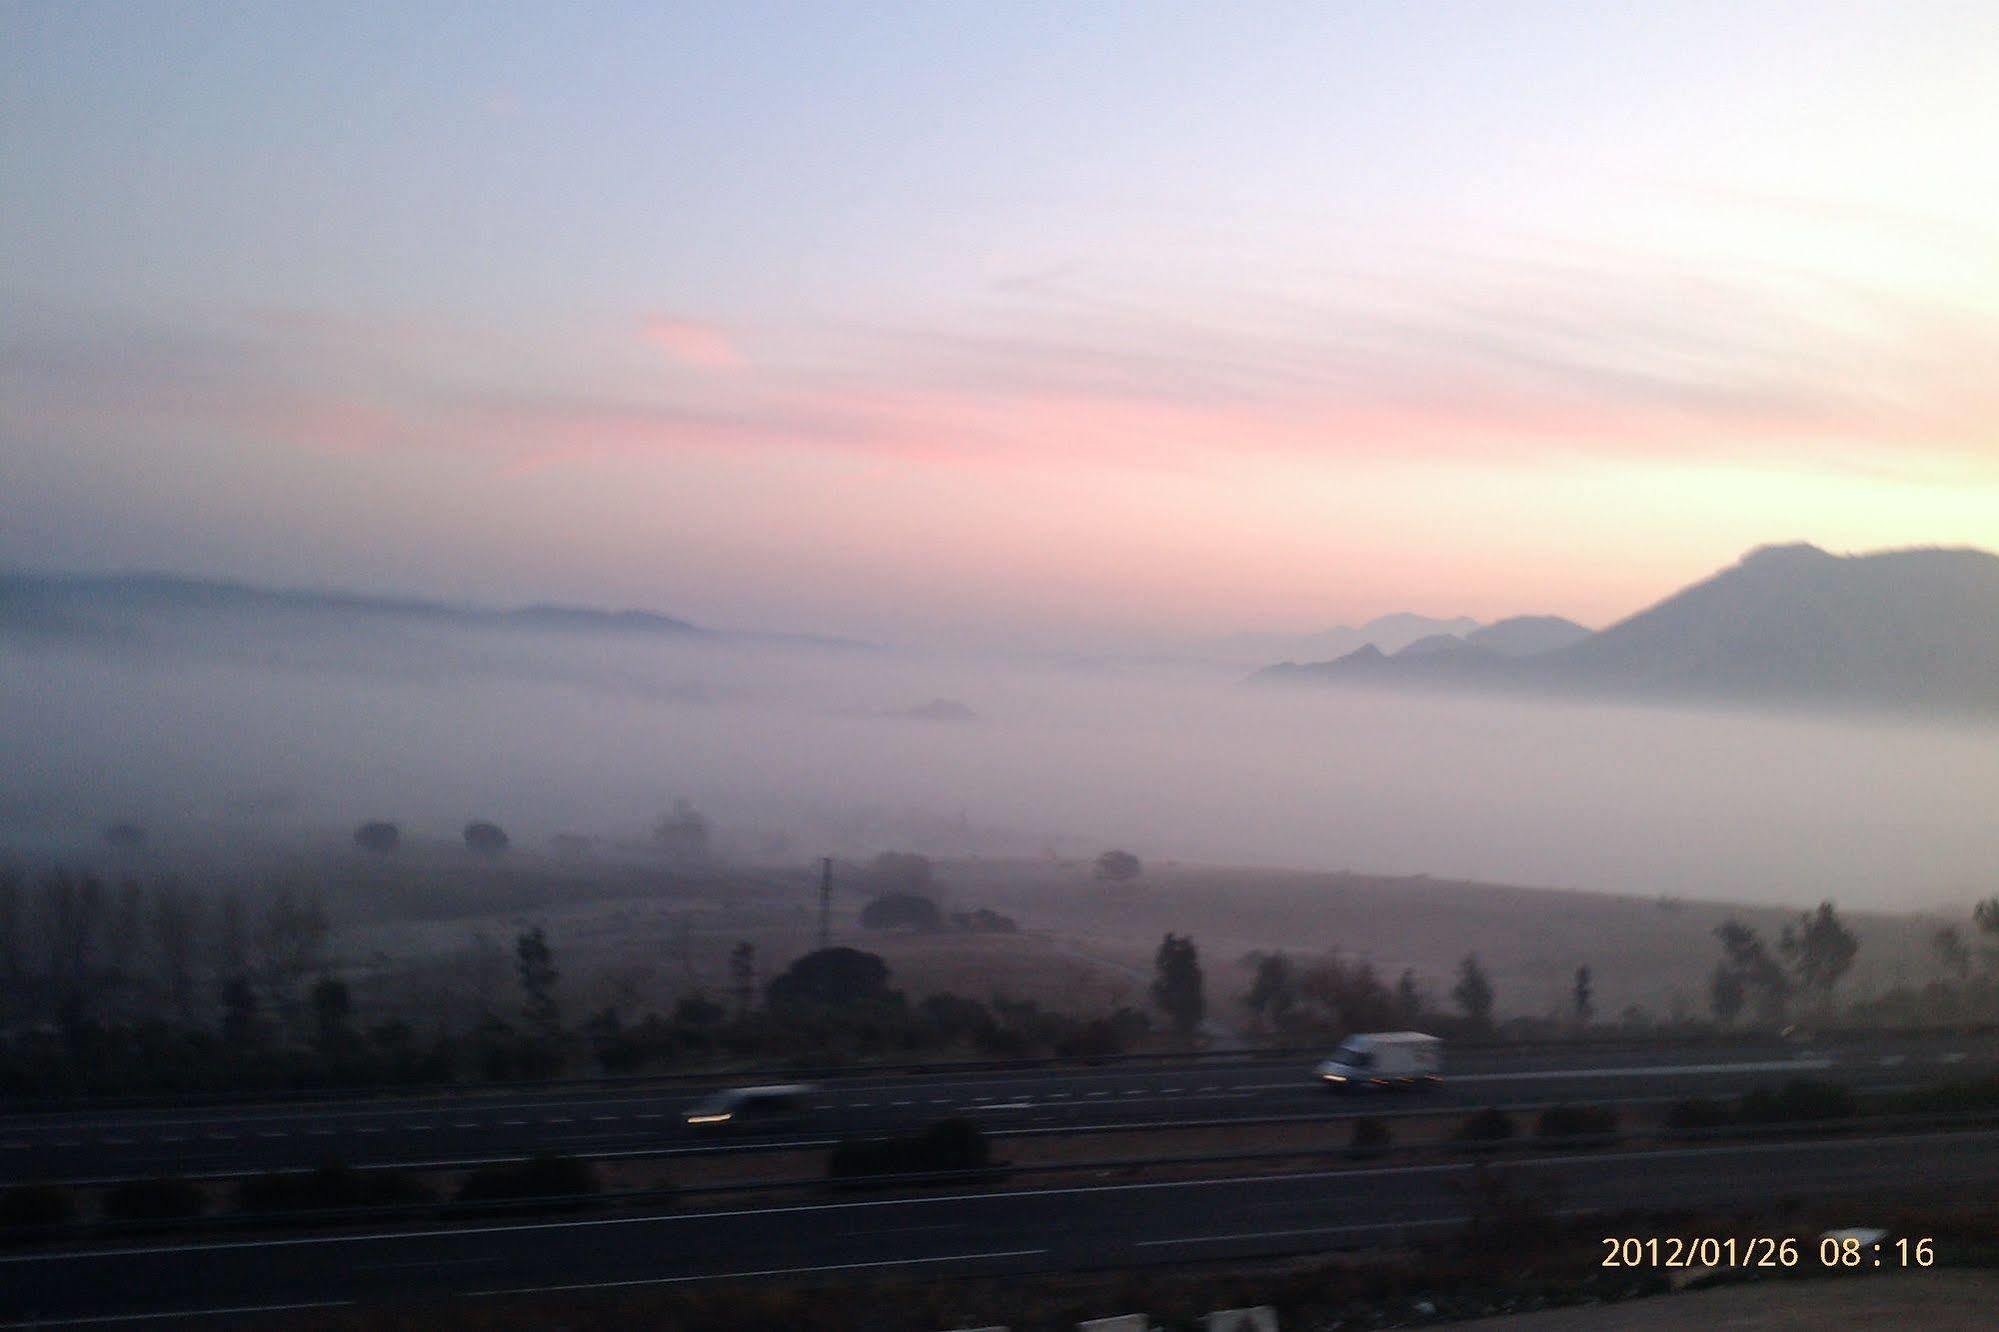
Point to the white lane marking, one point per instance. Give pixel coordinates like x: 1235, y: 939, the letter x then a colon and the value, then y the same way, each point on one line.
x: 1100, y: 1093
x: 1954, y: 1057
x: 1655, y: 1070
x: 418, y: 1128
x: 182, y: 1313
x: 173, y: 1137
x: 320, y: 1133
x: 274, y: 1133
x: 770, y: 1272
x: 1310, y: 1230
x: 369, y: 1128
x: 904, y: 1103
x: 558, y: 1119
x: 1136, y: 1091
x: 1891, y: 1061
x: 940, y: 1100
x: 648, y: 1116
x: 1170, y: 1091
x: 861, y: 1105
x: 467, y: 1123
x: 118, y: 1142
x: 220, y: 1137
x: 605, y: 1119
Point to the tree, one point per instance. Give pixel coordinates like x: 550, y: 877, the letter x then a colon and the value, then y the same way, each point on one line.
x: 1473, y: 992
x: 291, y: 945
x: 683, y: 834
x: 904, y: 873
x: 1118, y: 867
x: 743, y: 976
x: 125, y: 837
x: 1953, y: 954
x: 901, y: 911
x: 332, y: 1008
x: 1986, y: 916
x: 239, y: 1013
x: 1274, y: 990
x: 1752, y: 971
x: 1583, y: 997
x: 378, y: 837
x: 1176, y: 984
x: 535, y: 961
x: 1408, y: 999
x: 832, y: 978
x: 486, y: 839
x: 1727, y: 993
x: 1820, y: 950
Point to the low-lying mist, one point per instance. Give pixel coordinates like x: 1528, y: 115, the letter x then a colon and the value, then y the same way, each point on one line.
x: 244, y: 731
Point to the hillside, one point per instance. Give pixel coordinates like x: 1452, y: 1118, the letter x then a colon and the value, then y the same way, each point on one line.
x: 1903, y: 630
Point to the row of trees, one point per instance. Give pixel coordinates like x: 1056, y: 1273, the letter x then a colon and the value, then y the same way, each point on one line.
x: 76, y: 949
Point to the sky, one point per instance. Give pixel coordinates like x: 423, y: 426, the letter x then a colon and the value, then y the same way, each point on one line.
x: 1097, y: 325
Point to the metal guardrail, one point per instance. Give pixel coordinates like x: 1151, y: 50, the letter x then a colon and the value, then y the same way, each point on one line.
x: 944, y: 1066
x: 1362, y: 1159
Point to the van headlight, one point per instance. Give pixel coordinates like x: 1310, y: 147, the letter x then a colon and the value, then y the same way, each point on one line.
x: 722, y: 1118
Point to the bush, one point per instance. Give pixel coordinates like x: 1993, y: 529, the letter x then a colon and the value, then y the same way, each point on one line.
x: 1576, y: 1121
x: 1697, y: 1113
x: 32, y: 1207
x: 1947, y: 1098
x: 331, y: 1187
x: 546, y: 1175
x: 1371, y: 1137
x: 162, y: 1198
x: 1488, y: 1127
x: 947, y: 1145
x: 1799, y: 1101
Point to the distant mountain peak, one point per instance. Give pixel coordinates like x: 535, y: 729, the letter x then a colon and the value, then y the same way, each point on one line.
x: 1785, y: 555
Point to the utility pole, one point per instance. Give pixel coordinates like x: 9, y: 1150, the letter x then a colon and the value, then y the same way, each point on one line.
x: 826, y: 902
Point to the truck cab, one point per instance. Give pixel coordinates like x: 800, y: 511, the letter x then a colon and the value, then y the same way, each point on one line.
x: 1383, y: 1059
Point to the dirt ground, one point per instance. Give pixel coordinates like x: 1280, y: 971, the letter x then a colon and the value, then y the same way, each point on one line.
x: 1936, y: 1301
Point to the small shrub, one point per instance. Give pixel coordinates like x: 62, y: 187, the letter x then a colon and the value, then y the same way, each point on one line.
x: 947, y: 1145
x: 33, y: 1207
x: 1371, y: 1138
x: 1947, y: 1098
x: 162, y: 1198
x: 1488, y: 1128
x: 1576, y: 1121
x: 547, y: 1175
x: 330, y: 1188
x: 1699, y: 1112
x: 1800, y: 1100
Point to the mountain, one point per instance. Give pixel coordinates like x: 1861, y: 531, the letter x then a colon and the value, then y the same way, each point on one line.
x: 1911, y: 627
x: 1389, y: 633
x: 1906, y: 629
x: 122, y: 607
x: 1528, y: 635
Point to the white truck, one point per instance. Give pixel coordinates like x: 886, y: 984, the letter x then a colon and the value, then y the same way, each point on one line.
x: 1384, y: 1059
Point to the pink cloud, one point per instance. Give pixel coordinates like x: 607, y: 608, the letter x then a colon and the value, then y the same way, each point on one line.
x: 703, y: 346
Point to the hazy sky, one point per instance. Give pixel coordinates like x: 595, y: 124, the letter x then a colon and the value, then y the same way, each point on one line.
x: 1000, y: 322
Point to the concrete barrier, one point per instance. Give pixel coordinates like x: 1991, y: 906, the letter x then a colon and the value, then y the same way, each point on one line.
x: 1262, y: 1318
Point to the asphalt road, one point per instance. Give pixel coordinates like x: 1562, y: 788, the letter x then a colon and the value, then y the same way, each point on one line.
x: 442, y: 1130
x: 963, y: 1233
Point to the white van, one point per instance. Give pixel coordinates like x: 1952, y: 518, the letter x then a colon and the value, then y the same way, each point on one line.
x: 1384, y: 1059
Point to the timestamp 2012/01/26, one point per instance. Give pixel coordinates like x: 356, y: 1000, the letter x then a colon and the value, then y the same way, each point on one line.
x: 1763, y: 1251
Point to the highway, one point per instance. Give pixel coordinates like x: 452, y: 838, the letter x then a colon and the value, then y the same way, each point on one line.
x: 1004, y: 1231
x: 97, y: 1145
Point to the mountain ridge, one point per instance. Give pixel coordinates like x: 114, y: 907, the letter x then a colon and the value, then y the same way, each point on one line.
x: 1915, y: 628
